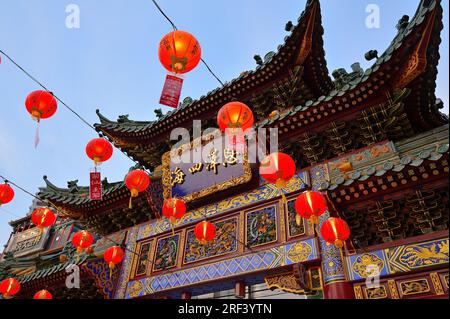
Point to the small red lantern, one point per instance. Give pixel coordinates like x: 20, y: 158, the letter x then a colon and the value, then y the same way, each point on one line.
x: 137, y: 181
x: 335, y: 231
x: 9, y: 287
x: 82, y: 240
x: 43, y: 294
x: 205, y: 232
x: 311, y: 205
x: 41, y: 105
x: 6, y: 194
x: 99, y: 150
x: 113, y: 256
x: 43, y: 217
x: 278, y: 169
x: 173, y: 209
x: 235, y: 118
x: 179, y: 52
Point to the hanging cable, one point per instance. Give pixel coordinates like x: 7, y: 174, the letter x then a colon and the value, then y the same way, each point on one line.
x: 62, y: 102
x: 175, y: 28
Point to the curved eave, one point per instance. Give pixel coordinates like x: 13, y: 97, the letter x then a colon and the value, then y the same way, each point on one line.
x: 243, y: 87
x: 378, y: 77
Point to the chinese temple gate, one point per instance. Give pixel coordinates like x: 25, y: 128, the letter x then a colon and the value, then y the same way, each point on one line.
x: 373, y: 140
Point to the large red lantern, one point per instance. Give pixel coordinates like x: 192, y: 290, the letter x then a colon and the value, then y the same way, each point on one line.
x: 43, y: 217
x: 82, y: 240
x: 335, y: 231
x: 43, y: 294
x: 113, y: 256
x: 235, y: 118
x: 179, y: 52
x: 278, y: 169
x: 311, y: 205
x: 6, y: 194
x: 41, y: 104
x: 136, y: 181
x: 99, y: 150
x: 205, y: 232
x: 9, y: 287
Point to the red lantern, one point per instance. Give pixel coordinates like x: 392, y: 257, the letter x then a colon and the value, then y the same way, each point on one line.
x: 179, y: 52
x: 335, y: 231
x: 82, y: 240
x: 235, y: 118
x: 137, y: 181
x: 278, y: 169
x: 173, y: 209
x: 113, y: 256
x: 311, y: 205
x: 205, y: 232
x: 43, y: 217
x: 6, y: 194
x: 41, y: 104
x: 9, y: 287
x: 99, y: 150
x: 43, y: 294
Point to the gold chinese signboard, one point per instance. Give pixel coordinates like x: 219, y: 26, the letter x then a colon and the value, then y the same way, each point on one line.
x: 203, y: 167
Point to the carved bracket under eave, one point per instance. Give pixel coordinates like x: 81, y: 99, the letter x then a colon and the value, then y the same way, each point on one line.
x: 417, y: 62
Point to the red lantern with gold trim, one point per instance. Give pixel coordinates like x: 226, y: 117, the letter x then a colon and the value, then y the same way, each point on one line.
x: 335, y: 231
x: 179, y: 52
x: 278, y: 169
x: 311, y: 205
x: 43, y: 294
x: 205, y: 232
x: 235, y: 118
x: 173, y: 209
x: 6, y: 194
x: 99, y: 150
x: 82, y: 240
x: 113, y: 256
x: 136, y: 181
x: 9, y: 287
x: 43, y: 217
x: 41, y: 105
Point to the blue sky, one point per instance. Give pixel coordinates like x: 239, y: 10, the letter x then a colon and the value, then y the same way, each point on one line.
x: 111, y: 63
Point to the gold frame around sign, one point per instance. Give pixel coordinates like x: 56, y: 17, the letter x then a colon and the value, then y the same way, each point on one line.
x: 166, y: 176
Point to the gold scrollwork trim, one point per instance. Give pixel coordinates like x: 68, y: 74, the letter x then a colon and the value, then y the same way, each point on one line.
x: 437, y: 283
